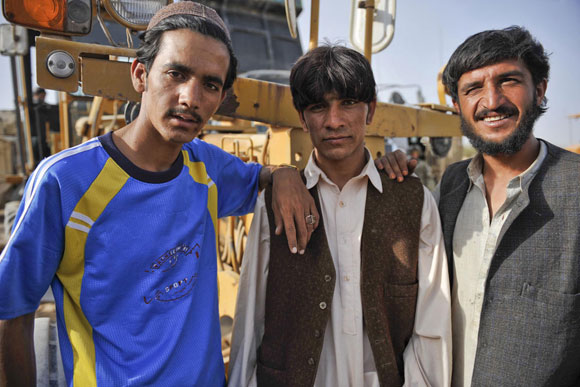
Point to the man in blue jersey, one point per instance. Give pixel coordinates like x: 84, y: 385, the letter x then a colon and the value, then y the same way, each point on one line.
x: 124, y: 226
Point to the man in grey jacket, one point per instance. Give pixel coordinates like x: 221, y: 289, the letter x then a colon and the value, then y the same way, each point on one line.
x: 510, y: 222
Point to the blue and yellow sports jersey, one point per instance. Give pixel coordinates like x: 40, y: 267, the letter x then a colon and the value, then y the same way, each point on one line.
x: 131, y: 257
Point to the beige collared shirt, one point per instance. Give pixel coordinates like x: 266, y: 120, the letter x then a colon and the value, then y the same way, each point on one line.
x: 475, y: 240
x: 346, y: 358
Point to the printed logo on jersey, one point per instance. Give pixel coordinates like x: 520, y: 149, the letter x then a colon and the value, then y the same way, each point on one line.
x: 176, y: 288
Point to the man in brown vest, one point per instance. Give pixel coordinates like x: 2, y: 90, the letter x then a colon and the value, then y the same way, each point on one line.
x: 369, y: 302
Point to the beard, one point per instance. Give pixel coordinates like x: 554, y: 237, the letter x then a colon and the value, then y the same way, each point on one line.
x: 513, y: 143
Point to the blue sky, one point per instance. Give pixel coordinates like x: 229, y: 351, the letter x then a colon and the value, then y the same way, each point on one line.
x: 427, y: 32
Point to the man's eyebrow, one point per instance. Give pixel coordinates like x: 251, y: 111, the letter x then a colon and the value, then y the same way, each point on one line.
x: 513, y: 73
x: 214, y: 79
x: 179, y: 67
x: 323, y: 103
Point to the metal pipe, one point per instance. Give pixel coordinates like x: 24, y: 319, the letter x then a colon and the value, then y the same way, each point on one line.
x: 314, y: 13
x: 370, y: 13
x: 21, y: 149
x: 24, y: 103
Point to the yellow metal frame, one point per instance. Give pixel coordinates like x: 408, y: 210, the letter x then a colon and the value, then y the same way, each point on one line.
x: 249, y: 99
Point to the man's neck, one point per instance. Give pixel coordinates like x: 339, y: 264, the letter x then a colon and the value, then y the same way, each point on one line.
x: 341, y: 171
x: 145, y: 148
x: 499, y: 169
x: 513, y: 164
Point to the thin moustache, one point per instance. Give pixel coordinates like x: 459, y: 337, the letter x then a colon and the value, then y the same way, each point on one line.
x: 508, y: 110
x: 172, y: 112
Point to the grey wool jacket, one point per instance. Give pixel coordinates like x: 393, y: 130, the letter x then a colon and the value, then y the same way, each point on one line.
x: 529, y: 334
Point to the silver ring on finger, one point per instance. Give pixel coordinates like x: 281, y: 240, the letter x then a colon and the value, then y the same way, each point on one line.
x: 310, y: 219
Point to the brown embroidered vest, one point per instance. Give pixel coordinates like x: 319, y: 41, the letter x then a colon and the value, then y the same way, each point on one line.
x: 300, y: 289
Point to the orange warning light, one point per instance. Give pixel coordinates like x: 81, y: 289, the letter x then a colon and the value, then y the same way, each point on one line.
x: 56, y: 16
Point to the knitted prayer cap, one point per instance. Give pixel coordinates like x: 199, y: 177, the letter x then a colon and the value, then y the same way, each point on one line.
x: 187, y: 7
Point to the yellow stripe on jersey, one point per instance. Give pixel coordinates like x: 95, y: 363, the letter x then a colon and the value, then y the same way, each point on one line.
x: 72, y: 267
x: 199, y: 174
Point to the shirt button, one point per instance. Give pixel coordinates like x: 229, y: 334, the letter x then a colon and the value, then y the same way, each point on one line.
x: 310, y: 361
x: 322, y: 305
x: 317, y: 333
x: 346, y: 278
x: 341, y: 204
x: 327, y: 278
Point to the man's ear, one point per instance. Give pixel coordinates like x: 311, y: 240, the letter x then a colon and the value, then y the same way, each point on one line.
x: 138, y: 76
x: 222, y: 98
x: 371, y: 112
x: 456, y: 105
x: 224, y: 95
x: 541, y: 91
x: 303, y: 122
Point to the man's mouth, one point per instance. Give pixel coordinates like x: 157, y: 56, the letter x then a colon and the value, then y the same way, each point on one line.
x: 184, y: 116
x: 495, y: 118
x: 337, y: 138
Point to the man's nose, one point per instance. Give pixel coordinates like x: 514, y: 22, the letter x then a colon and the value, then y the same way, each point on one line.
x: 334, y: 118
x: 190, y: 93
x: 493, y: 97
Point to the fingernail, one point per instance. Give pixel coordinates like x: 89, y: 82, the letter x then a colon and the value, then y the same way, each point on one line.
x: 294, y: 250
x: 301, y: 252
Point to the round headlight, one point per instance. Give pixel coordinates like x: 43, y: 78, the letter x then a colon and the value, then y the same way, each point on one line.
x: 134, y: 14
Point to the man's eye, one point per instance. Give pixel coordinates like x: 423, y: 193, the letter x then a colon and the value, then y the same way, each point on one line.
x: 471, y: 90
x: 315, y: 108
x: 175, y: 74
x: 511, y: 81
x: 212, y: 86
x: 349, y: 102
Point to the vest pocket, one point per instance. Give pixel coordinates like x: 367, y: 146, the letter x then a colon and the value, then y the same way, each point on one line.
x: 400, y: 302
x: 271, y: 358
x: 398, y: 290
x: 550, y: 297
x: 269, y: 366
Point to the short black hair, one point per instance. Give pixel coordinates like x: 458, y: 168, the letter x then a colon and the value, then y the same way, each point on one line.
x: 331, y: 68
x: 152, y: 40
x: 493, y: 46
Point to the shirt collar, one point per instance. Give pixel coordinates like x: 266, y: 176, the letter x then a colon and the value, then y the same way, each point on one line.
x: 313, y: 173
x: 523, y: 180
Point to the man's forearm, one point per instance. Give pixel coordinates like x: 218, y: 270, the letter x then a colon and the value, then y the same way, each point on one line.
x: 17, y: 361
x: 267, y: 171
x: 265, y: 176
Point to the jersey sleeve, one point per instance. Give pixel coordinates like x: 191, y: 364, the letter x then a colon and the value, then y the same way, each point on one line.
x: 34, y: 250
x: 238, y: 187
x: 236, y: 181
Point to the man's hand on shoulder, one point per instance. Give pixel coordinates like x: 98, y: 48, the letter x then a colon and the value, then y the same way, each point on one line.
x: 293, y: 206
x: 396, y: 165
